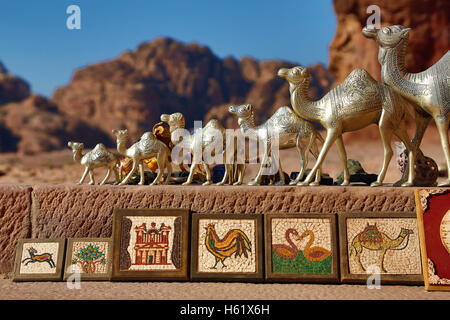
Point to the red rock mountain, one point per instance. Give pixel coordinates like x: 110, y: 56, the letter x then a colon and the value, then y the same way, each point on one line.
x: 165, y: 76
x: 429, y: 37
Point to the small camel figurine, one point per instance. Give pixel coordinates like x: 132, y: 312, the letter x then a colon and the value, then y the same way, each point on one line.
x: 427, y: 91
x: 371, y: 238
x: 291, y: 131
x: 199, y: 141
x: 354, y: 104
x: 147, y: 147
x: 100, y: 156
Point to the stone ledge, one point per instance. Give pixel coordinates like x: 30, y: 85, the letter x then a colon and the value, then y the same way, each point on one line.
x: 15, y: 223
x: 52, y: 211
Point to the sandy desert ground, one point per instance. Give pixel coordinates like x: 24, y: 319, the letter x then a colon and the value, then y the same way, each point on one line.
x: 212, y: 290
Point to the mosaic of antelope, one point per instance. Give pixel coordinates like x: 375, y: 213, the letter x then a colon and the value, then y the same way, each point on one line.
x: 34, y: 257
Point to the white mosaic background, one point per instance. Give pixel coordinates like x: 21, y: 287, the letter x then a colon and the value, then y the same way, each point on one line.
x: 320, y: 227
x: 103, y: 246
x: 206, y: 260
x: 406, y: 261
x: 39, y: 267
x: 138, y: 221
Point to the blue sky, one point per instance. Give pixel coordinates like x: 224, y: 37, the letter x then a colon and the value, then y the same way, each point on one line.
x: 36, y: 44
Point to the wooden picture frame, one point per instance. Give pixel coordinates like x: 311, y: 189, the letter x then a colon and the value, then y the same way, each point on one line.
x: 366, y: 235
x: 243, y: 231
x: 96, y: 267
x: 42, y: 252
x: 433, y: 216
x: 162, y: 251
x: 318, y: 230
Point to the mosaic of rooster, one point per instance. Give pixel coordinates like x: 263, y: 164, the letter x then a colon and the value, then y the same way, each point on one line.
x: 235, y: 241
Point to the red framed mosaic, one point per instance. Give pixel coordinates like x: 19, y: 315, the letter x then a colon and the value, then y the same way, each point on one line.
x: 151, y: 244
x: 433, y: 216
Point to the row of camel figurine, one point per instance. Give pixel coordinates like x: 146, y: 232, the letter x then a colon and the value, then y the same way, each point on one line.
x: 354, y: 104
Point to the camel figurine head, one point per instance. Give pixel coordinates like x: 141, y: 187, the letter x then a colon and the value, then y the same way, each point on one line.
x: 244, y: 111
x: 175, y: 120
x: 120, y: 134
x: 295, y: 75
x: 387, y: 37
x: 76, y: 146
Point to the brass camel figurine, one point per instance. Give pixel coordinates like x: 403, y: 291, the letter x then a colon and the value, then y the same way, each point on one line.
x: 354, y: 104
x: 427, y: 91
x: 290, y: 130
x: 147, y: 147
x: 98, y: 157
x: 201, y: 140
x: 373, y: 239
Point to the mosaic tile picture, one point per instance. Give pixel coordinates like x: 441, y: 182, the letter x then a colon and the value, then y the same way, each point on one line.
x: 90, y: 257
x: 380, y: 243
x: 301, y: 247
x: 39, y: 260
x: 151, y: 244
x: 227, y: 247
x: 433, y: 216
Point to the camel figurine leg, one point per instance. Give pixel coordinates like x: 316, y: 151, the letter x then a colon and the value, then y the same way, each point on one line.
x: 257, y: 179
x: 106, y: 177
x: 228, y: 169
x: 191, y: 171
x: 91, y: 177
x: 402, y: 134
x: 160, y: 163
x: 303, y: 162
x: 133, y: 169
x: 208, y: 174
x: 83, y: 177
x: 442, y: 124
x: 116, y: 175
x: 332, y: 134
x: 169, y: 171
x: 315, y: 152
x: 241, y: 172
x: 343, y: 155
x: 386, y: 132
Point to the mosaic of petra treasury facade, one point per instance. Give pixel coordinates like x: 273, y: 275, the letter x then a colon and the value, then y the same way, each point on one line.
x: 390, y: 244
x: 151, y: 243
x: 227, y: 245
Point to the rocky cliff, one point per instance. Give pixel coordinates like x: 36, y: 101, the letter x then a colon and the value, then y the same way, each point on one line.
x: 429, y: 38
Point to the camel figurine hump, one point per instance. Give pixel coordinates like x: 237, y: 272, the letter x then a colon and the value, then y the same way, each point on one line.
x: 428, y: 91
x: 148, y: 146
x: 290, y: 131
x: 100, y: 156
x: 354, y: 104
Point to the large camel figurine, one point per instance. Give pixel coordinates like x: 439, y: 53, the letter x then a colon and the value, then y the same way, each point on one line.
x: 147, y: 147
x: 373, y: 239
x: 201, y: 140
x: 290, y: 130
x: 354, y: 104
x: 98, y: 157
x: 427, y: 91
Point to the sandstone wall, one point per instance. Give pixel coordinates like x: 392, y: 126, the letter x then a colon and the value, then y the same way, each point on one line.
x: 52, y: 211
